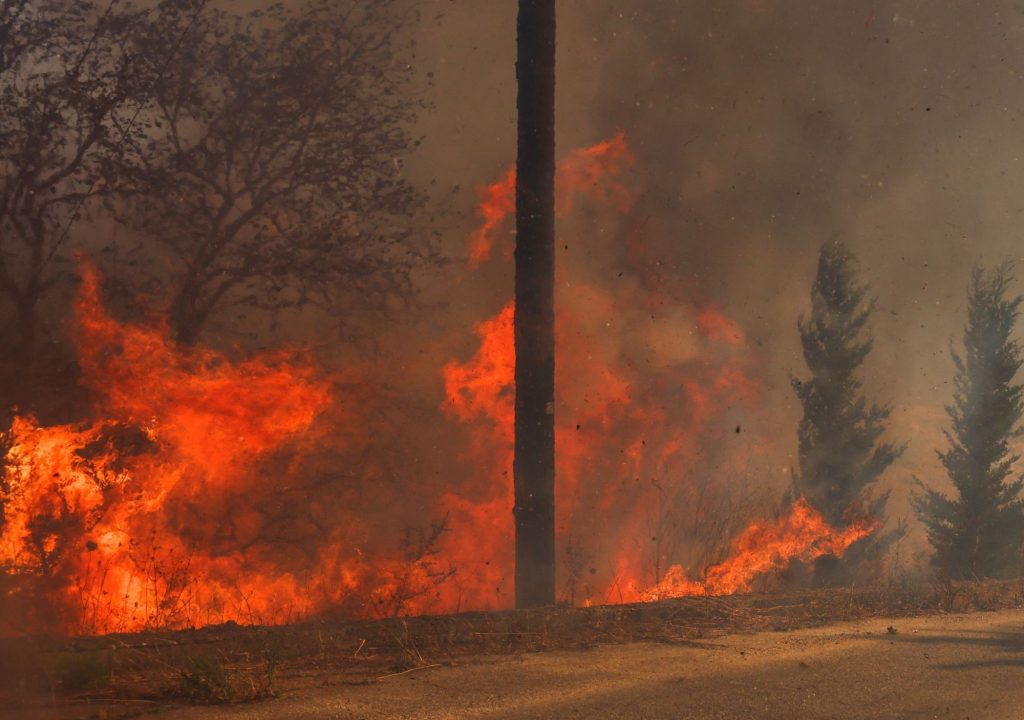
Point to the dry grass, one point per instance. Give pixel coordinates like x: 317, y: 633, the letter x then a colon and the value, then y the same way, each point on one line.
x: 121, y: 675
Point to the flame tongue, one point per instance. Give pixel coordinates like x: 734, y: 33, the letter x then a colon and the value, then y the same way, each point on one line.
x: 763, y: 547
x: 213, y: 411
x: 594, y: 171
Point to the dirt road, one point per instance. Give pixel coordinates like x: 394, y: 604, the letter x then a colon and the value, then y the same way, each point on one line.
x: 956, y: 667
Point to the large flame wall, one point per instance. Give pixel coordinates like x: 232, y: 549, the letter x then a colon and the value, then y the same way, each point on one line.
x: 198, y: 490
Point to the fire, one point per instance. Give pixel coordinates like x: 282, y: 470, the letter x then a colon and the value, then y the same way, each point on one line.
x: 596, y: 171
x: 189, y: 494
x: 138, y: 519
x: 626, y: 441
x: 481, y: 392
x: 483, y: 386
x: 497, y: 202
x: 764, y: 547
x: 213, y: 412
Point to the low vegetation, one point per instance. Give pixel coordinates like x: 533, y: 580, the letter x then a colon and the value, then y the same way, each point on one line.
x: 119, y: 675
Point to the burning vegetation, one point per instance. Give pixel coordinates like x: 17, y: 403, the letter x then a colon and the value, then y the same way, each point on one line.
x: 139, y: 517
x: 171, y: 462
x: 159, y: 510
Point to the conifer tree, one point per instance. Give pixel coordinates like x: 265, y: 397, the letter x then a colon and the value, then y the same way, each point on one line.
x: 978, y: 531
x: 841, y: 454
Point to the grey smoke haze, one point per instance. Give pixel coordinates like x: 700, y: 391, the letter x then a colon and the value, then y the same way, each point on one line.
x: 763, y: 128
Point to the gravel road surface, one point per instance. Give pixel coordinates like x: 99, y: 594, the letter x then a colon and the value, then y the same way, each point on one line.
x: 948, y: 666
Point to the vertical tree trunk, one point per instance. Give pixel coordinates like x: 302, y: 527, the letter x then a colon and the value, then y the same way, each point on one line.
x: 26, y: 355
x: 534, y: 465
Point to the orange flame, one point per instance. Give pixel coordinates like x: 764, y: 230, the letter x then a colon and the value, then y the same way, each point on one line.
x: 596, y: 172
x: 482, y: 388
x: 497, y: 202
x: 593, y: 171
x: 598, y: 397
x: 135, y: 520
x: 168, y: 508
x: 214, y: 412
x: 763, y: 547
x: 480, y: 392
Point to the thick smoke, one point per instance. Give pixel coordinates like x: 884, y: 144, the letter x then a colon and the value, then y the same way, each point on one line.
x: 759, y: 129
x: 763, y: 128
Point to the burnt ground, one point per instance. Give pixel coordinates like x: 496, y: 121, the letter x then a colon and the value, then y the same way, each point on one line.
x: 823, y: 654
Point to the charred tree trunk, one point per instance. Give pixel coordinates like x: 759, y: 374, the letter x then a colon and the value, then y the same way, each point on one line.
x: 26, y: 354
x: 185, y: 319
x: 534, y: 465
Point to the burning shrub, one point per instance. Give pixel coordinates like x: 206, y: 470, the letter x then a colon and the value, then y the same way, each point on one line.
x: 146, y: 516
x: 204, y: 488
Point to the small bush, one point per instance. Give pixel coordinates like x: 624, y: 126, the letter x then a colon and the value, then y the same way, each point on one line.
x: 204, y: 680
x: 83, y: 671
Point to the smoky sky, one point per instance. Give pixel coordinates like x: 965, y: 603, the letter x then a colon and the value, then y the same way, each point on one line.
x: 763, y: 128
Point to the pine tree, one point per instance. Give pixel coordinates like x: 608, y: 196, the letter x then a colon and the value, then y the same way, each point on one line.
x: 840, y: 453
x: 978, y: 532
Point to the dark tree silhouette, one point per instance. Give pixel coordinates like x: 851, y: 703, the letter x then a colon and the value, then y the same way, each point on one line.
x: 840, y: 453
x: 21, y: 28
x: 534, y: 463
x: 272, y: 173
x: 978, y: 532
x: 69, y: 84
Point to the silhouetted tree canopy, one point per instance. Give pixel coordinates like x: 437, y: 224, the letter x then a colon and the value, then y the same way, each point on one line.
x: 272, y: 171
x: 69, y: 84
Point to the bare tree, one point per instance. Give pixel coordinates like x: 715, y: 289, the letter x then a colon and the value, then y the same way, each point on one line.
x: 272, y: 173
x: 18, y: 32
x: 68, y: 80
